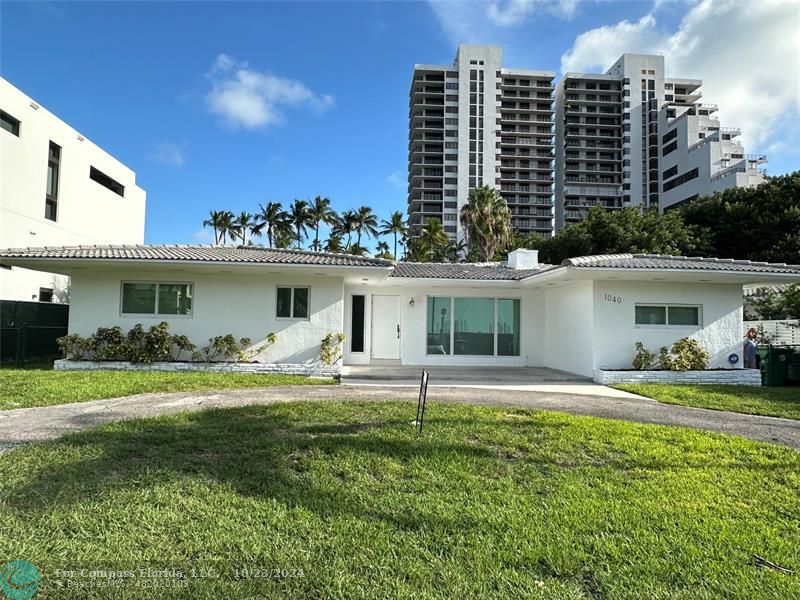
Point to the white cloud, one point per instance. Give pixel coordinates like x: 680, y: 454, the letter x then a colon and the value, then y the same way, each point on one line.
x: 599, y: 48
x: 476, y: 21
x: 397, y: 179
x: 251, y: 99
x: 169, y: 154
x: 746, y: 55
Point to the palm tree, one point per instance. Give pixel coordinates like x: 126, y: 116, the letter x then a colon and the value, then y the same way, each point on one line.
x: 382, y: 250
x: 345, y: 225
x: 366, y: 223
x: 432, y: 245
x: 271, y: 217
x: 227, y: 227
x: 320, y: 211
x: 244, y: 223
x: 215, y: 222
x: 395, y: 225
x: 334, y: 243
x: 356, y: 248
x: 284, y: 234
x: 299, y: 217
x: 487, y: 221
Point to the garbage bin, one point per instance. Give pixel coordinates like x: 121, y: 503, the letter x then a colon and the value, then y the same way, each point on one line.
x: 775, y: 366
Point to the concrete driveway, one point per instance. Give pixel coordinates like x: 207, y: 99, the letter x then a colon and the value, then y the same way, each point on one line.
x: 26, y: 425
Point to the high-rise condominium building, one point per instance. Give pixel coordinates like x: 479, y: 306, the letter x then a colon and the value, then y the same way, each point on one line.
x: 57, y: 189
x: 633, y: 137
x: 477, y: 123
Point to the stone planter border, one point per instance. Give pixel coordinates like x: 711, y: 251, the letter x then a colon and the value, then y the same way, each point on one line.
x: 729, y: 376
x: 314, y: 369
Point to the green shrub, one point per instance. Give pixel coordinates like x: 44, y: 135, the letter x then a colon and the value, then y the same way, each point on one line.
x: 330, y: 349
x: 643, y: 359
x: 76, y: 347
x: 685, y: 355
x: 109, y: 344
x: 227, y: 348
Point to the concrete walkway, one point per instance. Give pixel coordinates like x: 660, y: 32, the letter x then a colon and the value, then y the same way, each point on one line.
x: 26, y: 425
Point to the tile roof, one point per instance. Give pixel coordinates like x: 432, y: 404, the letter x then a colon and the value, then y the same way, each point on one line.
x: 688, y: 263
x: 227, y: 254
x: 475, y: 271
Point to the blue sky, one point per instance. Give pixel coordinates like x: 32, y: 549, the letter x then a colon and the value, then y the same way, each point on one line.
x: 228, y: 105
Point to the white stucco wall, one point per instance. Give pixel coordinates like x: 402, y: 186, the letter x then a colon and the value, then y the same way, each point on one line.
x: 615, y: 331
x: 414, y: 327
x: 88, y: 213
x: 568, y: 328
x: 243, y: 305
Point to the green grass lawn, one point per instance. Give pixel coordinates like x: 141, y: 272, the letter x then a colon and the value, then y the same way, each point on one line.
x: 769, y: 401
x: 23, y: 388
x: 341, y: 500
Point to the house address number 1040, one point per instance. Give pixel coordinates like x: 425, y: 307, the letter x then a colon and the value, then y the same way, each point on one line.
x: 612, y: 298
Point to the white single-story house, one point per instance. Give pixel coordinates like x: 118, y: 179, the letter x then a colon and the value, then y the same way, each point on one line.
x: 582, y: 315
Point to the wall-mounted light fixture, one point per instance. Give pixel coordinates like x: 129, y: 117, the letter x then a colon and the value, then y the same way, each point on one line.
x: 411, y: 302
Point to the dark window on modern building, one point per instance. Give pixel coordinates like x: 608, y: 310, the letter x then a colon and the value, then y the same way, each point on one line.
x: 53, y: 173
x: 9, y: 123
x: 688, y: 176
x: 669, y: 148
x: 671, y: 172
x: 668, y: 136
x: 357, y: 325
x: 45, y: 294
x: 106, y: 181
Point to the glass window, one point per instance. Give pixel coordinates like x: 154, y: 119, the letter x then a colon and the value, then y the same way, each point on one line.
x: 174, y: 299
x: 507, y: 327
x: 684, y: 315
x: 300, y: 303
x: 357, y: 324
x: 9, y: 123
x: 284, y: 302
x: 473, y: 326
x: 438, y: 323
x: 651, y: 315
x: 139, y: 298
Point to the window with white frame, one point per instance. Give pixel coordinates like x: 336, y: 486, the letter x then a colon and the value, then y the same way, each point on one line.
x: 157, y: 298
x: 292, y: 303
x: 667, y: 315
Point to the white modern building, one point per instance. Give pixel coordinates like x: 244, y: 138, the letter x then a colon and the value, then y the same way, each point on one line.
x: 580, y: 316
x: 477, y: 123
x: 634, y: 137
x: 57, y: 188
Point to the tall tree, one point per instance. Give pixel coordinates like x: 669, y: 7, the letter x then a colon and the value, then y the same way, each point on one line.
x: 757, y: 223
x: 395, y: 225
x: 320, y: 212
x: 334, y: 243
x: 215, y: 221
x: 271, y: 218
x: 227, y: 226
x: 300, y: 218
x: 382, y: 250
x: 621, y: 231
x: 432, y: 245
x: 346, y: 225
x: 366, y: 223
x: 243, y: 224
x: 487, y: 221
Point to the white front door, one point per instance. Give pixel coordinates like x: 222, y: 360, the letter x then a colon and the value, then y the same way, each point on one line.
x: 386, y: 327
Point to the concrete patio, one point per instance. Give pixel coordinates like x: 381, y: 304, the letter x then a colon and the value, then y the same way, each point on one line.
x: 522, y: 379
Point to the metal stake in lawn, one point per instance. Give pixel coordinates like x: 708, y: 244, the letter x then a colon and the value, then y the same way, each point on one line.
x: 423, y: 397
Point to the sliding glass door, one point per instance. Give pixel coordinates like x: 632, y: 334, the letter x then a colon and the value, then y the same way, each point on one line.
x: 473, y: 326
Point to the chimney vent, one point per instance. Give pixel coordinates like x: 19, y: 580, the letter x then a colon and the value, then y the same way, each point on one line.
x: 523, y: 259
